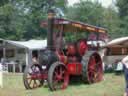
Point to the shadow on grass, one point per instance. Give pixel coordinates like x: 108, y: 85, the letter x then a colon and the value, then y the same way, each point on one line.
x: 76, y: 80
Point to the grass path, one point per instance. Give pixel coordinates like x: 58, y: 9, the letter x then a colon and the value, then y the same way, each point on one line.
x: 112, y: 86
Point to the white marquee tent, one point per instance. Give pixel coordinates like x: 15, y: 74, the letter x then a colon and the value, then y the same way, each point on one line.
x: 29, y: 46
x: 123, y: 41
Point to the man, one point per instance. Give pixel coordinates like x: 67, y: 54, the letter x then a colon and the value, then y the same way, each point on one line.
x: 125, y: 65
x: 1, y: 76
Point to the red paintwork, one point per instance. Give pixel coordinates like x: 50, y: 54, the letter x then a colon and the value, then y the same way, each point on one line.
x: 62, y: 57
x: 61, y: 74
x: 44, y: 76
x: 82, y: 47
x: 72, y: 59
x: 95, y: 69
x: 74, y: 68
x: 39, y: 76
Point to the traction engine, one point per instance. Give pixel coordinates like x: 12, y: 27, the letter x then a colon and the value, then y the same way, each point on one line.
x: 57, y: 65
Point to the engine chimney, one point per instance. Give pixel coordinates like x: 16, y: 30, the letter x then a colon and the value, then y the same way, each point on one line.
x: 51, y: 16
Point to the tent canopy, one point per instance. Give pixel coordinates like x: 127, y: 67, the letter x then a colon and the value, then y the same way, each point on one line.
x: 31, y: 44
x: 119, y: 42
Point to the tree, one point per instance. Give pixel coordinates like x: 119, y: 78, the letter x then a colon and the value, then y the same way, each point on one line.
x: 37, y: 11
x: 20, y: 19
x: 86, y: 11
x: 111, y: 21
x: 3, y: 2
x: 123, y: 13
x: 94, y: 13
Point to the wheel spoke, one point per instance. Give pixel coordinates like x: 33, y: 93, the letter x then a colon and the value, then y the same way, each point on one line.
x: 56, y: 74
x: 61, y: 71
x: 31, y: 80
x: 96, y: 72
x: 31, y: 84
x: 95, y: 76
x: 92, y: 63
x: 91, y: 76
x: 59, y: 78
x: 35, y: 83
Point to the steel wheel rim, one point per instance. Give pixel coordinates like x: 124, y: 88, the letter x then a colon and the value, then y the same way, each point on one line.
x: 60, y: 77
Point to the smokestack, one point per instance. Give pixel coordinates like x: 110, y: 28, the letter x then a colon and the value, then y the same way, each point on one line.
x: 51, y: 16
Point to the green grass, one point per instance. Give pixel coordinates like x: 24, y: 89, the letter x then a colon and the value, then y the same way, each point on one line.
x: 112, y: 86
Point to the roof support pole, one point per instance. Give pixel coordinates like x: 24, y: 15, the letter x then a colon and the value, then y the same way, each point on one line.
x: 14, y: 67
x: 2, y: 64
x: 28, y: 56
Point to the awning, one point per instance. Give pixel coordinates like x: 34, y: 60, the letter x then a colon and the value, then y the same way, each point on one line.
x: 31, y: 44
x: 71, y: 26
x: 119, y: 42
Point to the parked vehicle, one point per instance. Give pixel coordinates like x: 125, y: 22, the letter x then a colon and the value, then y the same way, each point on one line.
x: 67, y: 54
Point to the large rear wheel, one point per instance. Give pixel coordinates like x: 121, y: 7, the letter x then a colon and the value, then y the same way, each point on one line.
x: 92, y: 71
x: 31, y: 76
x: 58, y: 77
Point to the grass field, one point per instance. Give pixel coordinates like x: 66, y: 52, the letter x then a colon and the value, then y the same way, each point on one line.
x: 112, y: 86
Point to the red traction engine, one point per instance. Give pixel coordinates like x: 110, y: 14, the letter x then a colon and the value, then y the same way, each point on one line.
x: 57, y: 64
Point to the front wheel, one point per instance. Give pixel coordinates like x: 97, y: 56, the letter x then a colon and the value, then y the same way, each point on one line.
x: 31, y: 76
x: 58, y: 77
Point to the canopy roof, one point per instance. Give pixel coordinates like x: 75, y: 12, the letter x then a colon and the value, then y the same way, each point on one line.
x: 74, y: 25
x: 31, y: 44
x: 119, y: 42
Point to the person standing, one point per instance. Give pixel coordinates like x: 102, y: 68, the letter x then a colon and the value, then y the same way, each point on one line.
x: 1, y: 76
x: 125, y: 67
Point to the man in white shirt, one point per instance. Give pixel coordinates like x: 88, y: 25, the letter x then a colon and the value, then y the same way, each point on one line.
x: 1, y: 76
x: 125, y: 65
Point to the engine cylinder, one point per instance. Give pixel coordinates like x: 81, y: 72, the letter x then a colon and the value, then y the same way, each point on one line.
x: 47, y: 58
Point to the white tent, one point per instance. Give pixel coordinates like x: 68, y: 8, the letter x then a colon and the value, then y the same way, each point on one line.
x: 31, y: 44
x: 28, y: 46
x: 123, y: 41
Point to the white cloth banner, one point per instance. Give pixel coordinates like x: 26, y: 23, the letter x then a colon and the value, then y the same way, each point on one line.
x: 1, y: 76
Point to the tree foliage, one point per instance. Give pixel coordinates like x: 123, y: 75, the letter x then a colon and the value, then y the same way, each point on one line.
x: 123, y: 13
x: 94, y: 13
x: 111, y: 21
x: 86, y: 11
x: 20, y: 19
